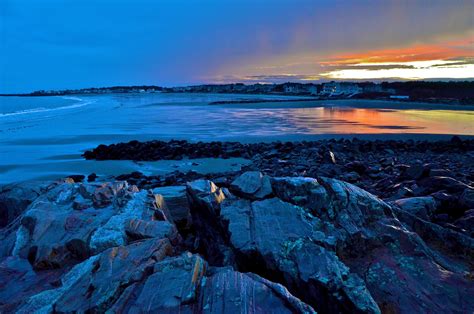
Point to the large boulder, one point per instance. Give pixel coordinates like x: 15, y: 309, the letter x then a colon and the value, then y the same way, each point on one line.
x: 15, y: 198
x: 252, y: 184
x: 76, y: 220
x: 176, y: 199
x: 423, y: 207
x: 97, y: 282
x: 337, y: 247
x: 146, y: 279
x: 19, y: 281
x: 184, y: 284
x: 435, y: 184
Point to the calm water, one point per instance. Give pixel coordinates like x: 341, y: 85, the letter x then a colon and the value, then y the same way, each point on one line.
x: 43, y: 137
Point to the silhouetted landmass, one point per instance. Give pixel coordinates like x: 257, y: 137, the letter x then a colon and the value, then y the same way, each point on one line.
x: 452, y: 92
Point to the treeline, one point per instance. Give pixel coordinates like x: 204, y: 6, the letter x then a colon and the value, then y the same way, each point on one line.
x: 460, y: 90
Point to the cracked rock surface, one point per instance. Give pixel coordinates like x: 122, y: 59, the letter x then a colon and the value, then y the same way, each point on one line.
x: 263, y: 245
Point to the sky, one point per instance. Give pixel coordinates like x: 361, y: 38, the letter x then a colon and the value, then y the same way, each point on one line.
x: 59, y: 44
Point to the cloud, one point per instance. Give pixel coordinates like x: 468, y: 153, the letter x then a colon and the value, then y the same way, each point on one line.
x: 263, y: 78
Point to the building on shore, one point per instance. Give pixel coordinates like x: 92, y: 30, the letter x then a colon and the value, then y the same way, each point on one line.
x: 340, y: 89
x: 400, y: 97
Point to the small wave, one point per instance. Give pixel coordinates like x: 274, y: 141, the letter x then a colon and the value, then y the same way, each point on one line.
x: 81, y: 103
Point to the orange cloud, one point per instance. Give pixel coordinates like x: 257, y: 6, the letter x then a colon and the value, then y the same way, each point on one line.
x: 421, y: 52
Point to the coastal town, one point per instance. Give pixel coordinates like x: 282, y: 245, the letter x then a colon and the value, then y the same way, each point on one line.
x: 451, y: 92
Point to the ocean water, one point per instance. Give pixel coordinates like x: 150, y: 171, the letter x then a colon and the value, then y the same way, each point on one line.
x: 44, y: 137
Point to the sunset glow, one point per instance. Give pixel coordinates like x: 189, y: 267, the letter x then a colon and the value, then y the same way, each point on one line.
x: 448, y: 59
x: 406, y: 70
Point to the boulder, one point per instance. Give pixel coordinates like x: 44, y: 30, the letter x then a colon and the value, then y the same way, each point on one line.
x: 72, y: 221
x: 414, y: 172
x: 434, y: 184
x: 466, y: 222
x: 90, y: 285
x: 18, y: 281
x: 422, y: 207
x: 205, y: 194
x: 176, y: 199
x: 252, y: 184
x: 356, y: 166
x: 146, y: 279
x: 339, y: 248
x: 350, y: 177
x: 15, y: 198
x: 184, y: 284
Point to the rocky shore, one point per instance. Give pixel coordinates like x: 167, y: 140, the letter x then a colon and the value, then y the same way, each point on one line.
x: 329, y: 226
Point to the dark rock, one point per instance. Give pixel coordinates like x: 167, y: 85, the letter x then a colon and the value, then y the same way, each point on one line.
x: 356, y: 166
x: 89, y: 286
x: 18, y: 281
x: 53, y: 232
x: 145, y: 279
x: 456, y: 140
x: 184, y: 284
x: 435, y: 184
x: 422, y: 207
x: 466, y: 222
x: 77, y: 177
x: 252, y: 184
x: 414, y: 172
x: 15, y: 198
x: 91, y: 177
x: 440, y: 173
x: 351, y: 177
x: 177, y: 202
x: 329, y: 157
x: 340, y: 248
x: 467, y: 198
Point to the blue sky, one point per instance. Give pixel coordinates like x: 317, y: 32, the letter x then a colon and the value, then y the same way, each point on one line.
x: 52, y: 44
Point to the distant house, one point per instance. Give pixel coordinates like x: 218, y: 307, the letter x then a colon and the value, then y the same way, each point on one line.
x: 340, y: 89
x: 400, y: 97
x: 298, y: 88
x: 292, y: 88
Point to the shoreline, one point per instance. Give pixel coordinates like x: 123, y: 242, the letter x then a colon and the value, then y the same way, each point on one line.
x: 287, y: 103
x: 356, y: 103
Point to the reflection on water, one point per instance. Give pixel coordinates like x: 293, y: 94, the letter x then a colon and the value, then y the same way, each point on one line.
x: 345, y: 120
x: 372, y: 121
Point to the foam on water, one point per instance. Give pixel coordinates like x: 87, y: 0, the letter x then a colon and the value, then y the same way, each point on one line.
x: 79, y: 103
